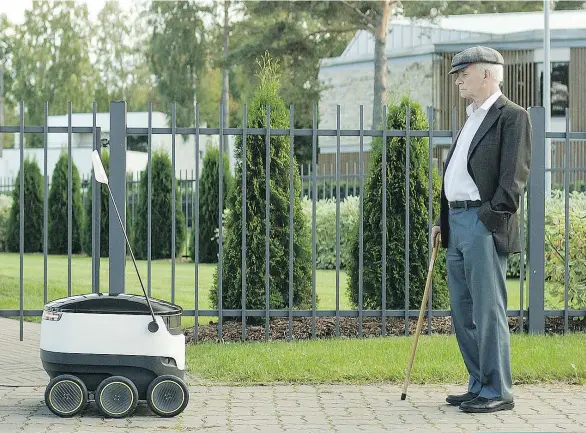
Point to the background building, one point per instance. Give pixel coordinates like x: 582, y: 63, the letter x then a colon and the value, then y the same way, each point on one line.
x: 419, y: 55
x: 81, y: 145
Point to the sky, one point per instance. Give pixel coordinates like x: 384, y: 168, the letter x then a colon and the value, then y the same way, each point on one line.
x: 15, y: 9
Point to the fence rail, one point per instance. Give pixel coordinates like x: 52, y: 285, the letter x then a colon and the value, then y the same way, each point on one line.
x: 313, y: 181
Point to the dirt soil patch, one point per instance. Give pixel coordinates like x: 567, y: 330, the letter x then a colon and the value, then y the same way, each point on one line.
x: 325, y: 327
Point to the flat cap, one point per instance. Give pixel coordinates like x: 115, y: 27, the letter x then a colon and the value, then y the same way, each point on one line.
x: 477, y: 54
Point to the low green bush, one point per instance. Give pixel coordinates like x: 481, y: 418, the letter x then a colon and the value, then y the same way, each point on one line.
x: 325, y: 228
x: 5, y: 205
x: 555, y: 250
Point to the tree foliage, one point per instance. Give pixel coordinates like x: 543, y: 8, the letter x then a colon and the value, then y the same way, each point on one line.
x: 395, y: 224
x: 256, y: 177
x: 121, y: 53
x: 177, y: 54
x: 58, y: 209
x: 33, y: 211
x: 50, y: 61
x: 209, y: 204
x: 164, y: 52
x: 161, y: 212
x: 104, y: 213
x: 293, y: 33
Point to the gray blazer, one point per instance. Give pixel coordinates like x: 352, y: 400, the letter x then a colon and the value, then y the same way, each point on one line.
x: 498, y: 162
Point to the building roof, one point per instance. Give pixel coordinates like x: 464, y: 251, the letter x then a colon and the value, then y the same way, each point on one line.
x: 409, y: 37
x: 514, y: 22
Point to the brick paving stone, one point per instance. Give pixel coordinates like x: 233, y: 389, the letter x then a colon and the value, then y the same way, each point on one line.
x: 14, y: 419
x: 10, y: 428
x: 279, y: 408
x: 571, y: 427
x: 105, y: 430
x: 60, y: 428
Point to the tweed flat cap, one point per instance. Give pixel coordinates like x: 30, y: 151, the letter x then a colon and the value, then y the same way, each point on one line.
x: 477, y: 54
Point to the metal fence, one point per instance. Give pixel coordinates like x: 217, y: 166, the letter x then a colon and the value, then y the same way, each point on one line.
x: 330, y: 185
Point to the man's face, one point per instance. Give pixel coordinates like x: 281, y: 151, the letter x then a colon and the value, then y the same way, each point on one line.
x: 470, y: 81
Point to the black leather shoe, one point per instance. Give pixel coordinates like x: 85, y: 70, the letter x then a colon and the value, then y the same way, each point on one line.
x: 456, y: 400
x: 486, y: 405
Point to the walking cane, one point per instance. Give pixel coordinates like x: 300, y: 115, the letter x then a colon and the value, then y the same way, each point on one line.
x: 420, y: 321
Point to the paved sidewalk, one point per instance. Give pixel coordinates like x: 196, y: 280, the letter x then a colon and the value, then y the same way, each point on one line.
x: 307, y: 409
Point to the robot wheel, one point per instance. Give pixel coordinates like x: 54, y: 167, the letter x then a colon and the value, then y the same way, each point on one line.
x: 66, y: 395
x: 116, y: 397
x: 167, y: 396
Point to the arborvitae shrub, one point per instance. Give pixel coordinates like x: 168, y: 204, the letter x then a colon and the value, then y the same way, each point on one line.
x: 208, y: 204
x: 161, y: 212
x: 33, y: 210
x: 395, y: 229
x: 58, y: 230
x: 105, y: 201
x: 266, y: 94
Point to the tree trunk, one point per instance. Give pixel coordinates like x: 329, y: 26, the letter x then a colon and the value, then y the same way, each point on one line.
x: 380, y: 63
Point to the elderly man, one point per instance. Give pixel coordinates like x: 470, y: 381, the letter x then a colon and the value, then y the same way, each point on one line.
x: 485, y: 171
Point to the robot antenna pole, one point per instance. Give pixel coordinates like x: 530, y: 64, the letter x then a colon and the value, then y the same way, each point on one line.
x: 153, y: 326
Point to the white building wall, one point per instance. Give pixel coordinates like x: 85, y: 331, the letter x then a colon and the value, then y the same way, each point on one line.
x: 352, y: 85
x: 82, y: 144
x: 81, y: 157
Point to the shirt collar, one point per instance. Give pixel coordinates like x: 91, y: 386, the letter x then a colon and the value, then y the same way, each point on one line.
x: 486, y: 104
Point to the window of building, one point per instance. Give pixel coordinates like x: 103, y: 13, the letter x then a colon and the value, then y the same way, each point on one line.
x: 560, y: 95
x: 138, y: 143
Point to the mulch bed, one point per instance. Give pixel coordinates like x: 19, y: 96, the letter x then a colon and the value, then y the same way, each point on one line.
x: 325, y: 327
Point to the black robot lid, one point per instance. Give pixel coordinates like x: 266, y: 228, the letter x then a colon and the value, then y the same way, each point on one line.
x: 108, y: 303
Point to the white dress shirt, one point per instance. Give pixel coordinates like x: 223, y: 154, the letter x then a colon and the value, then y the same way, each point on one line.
x: 459, y: 185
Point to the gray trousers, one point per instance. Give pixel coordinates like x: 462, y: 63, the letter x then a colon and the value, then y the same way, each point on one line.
x: 478, y: 298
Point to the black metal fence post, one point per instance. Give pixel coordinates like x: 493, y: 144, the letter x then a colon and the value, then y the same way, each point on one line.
x: 536, y: 208
x: 118, y: 186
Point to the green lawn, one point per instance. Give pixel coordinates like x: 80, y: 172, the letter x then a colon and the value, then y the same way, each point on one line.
x: 534, y: 359
x: 81, y: 282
